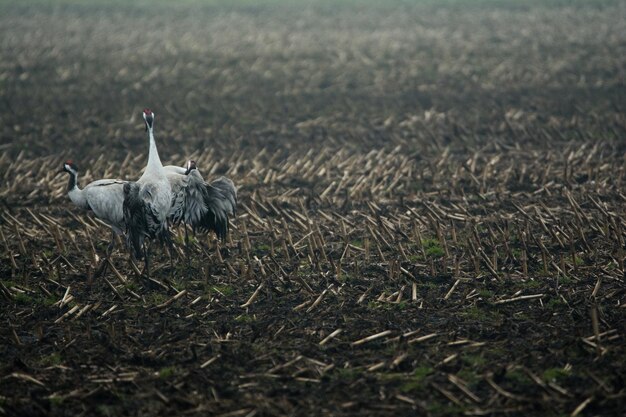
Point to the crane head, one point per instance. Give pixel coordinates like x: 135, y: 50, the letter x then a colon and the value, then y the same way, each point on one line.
x: 191, y: 165
x: 69, y: 166
x: 148, y: 116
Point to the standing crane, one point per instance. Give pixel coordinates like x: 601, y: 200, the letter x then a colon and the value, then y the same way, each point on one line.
x: 147, y: 202
x: 103, y: 197
x: 204, y: 206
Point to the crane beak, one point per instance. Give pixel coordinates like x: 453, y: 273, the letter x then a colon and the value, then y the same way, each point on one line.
x: 149, y: 121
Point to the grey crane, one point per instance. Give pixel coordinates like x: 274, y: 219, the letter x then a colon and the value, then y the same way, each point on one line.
x: 103, y: 197
x: 147, y: 202
x: 204, y: 206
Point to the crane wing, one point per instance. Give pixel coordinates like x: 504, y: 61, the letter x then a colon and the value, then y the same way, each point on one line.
x: 227, y: 190
x: 173, y: 169
x: 220, y: 199
x: 105, y: 199
x: 156, y: 207
x: 134, y: 219
x: 141, y: 218
x: 105, y: 182
x: 179, y: 183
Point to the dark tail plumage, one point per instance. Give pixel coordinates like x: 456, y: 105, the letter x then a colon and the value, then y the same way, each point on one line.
x: 135, y: 219
x: 141, y: 221
x: 221, y: 201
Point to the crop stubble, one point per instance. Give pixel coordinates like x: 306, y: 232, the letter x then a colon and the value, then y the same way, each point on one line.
x: 431, y: 210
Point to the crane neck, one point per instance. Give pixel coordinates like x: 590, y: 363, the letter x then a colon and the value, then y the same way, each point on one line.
x: 76, y: 194
x: 154, y: 162
x: 73, y: 182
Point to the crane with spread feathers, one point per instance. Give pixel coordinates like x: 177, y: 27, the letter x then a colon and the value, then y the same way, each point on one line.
x: 103, y: 197
x: 204, y: 206
x: 140, y: 208
x: 147, y: 202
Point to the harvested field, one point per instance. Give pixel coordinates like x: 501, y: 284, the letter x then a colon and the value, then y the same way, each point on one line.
x: 431, y: 208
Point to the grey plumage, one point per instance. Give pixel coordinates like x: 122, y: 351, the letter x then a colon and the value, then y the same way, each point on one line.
x: 103, y: 197
x: 201, y: 205
x: 178, y: 181
x: 147, y: 202
x: 221, y: 202
x: 134, y: 217
x: 141, y: 220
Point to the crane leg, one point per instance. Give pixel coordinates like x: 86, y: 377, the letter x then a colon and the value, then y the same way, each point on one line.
x: 101, y: 269
x: 166, y: 240
x: 146, y: 255
x: 187, y: 252
x: 111, y: 245
x: 105, y: 262
x: 170, y: 249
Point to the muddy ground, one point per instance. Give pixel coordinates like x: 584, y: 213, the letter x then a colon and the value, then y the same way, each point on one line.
x: 431, y: 208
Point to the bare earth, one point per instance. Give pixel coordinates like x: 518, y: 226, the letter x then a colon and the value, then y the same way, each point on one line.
x: 432, y: 209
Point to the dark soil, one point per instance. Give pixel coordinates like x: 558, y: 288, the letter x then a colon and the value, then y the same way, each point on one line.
x: 444, y: 178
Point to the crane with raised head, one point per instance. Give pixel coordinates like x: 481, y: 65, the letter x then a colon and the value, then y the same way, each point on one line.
x: 147, y: 201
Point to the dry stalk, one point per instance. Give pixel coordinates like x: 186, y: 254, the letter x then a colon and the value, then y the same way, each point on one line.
x: 449, y: 293
x: 520, y: 298
x: 423, y: 338
x: 317, y: 301
x: 330, y: 336
x: 581, y: 407
x: 254, y: 296
x: 171, y: 300
x: 370, y: 338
